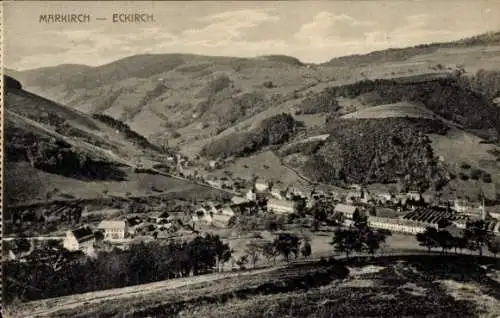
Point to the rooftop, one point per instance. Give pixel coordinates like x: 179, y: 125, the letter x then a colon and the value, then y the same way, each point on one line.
x: 284, y: 203
x: 112, y: 224
x: 345, y: 208
x: 83, y: 234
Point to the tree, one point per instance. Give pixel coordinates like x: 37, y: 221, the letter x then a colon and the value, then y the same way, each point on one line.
x: 320, y: 210
x: 286, y: 244
x: 269, y: 251
x: 23, y: 245
x: 221, y: 250
x: 373, y: 239
x: 300, y: 206
x: 428, y: 239
x: 477, y: 235
x: 306, y: 249
x: 253, y: 250
x: 445, y: 240
x: 360, y: 220
x: 346, y: 241
x: 99, y: 236
x: 335, y: 219
x: 242, y: 261
x: 494, y: 246
x: 202, y: 255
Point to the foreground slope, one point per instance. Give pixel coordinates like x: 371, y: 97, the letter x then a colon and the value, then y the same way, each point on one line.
x: 392, y: 286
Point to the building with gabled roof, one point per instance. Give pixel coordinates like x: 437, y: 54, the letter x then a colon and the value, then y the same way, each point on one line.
x: 347, y: 210
x: 80, y: 239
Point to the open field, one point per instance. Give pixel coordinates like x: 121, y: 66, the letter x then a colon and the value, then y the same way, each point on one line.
x: 43, y: 185
x: 403, y: 109
x: 389, y: 286
x: 265, y: 164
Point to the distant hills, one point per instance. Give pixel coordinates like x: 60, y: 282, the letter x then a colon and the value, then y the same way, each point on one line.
x: 191, y: 102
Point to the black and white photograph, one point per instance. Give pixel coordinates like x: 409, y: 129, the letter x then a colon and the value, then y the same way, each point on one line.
x: 205, y: 159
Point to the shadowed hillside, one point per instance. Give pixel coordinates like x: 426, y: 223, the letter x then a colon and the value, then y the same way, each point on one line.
x: 57, y: 152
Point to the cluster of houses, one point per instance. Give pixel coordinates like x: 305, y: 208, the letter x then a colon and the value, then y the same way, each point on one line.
x: 415, y: 218
x: 273, y: 198
x: 116, y: 232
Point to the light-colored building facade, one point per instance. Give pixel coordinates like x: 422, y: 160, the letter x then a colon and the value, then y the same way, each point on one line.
x: 250, y: 195
x: 396, y: 225
x: 475, y: 209
x: 261, y: 185
x: 81, y: 239
x: 280, y: 206
x: 113, y: 230
x: 346, y: 210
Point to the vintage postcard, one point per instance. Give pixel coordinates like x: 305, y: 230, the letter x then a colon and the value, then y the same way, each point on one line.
x: 251, y: 159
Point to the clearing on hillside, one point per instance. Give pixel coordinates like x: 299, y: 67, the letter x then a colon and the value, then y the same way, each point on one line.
x: 401, y: 109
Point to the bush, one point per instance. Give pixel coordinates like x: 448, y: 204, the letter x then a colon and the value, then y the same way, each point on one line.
x: 463, y: 176
x: 465, y: 165
x: 323, y: 102
x: 487, y: 178
x: 476, y: 174
x: 268, y: 84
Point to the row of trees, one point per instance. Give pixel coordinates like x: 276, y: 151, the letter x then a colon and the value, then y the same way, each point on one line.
x: 285, y: 244
x: 127, y: 131
x: 54, y: 273
x: 475, y: 237
x: 359, y: 237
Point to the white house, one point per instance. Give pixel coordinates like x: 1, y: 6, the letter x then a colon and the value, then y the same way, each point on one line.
x: 413, y: 195
x: 238, y: 200
x: 221, y: 220
x: 280, y: 206
x: 81, y: 239
x: 346, y: 209
x: 215, y: 183
x: 278, y: 193
x: 261, y: 185
x: 113, y: 230
x: 252, y: 196
x: 227, y: 211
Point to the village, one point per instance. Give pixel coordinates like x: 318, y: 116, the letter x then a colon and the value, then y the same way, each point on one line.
x: 295, y: 208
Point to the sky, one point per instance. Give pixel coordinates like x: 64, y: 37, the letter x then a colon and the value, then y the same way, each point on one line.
x: 312, y: 31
